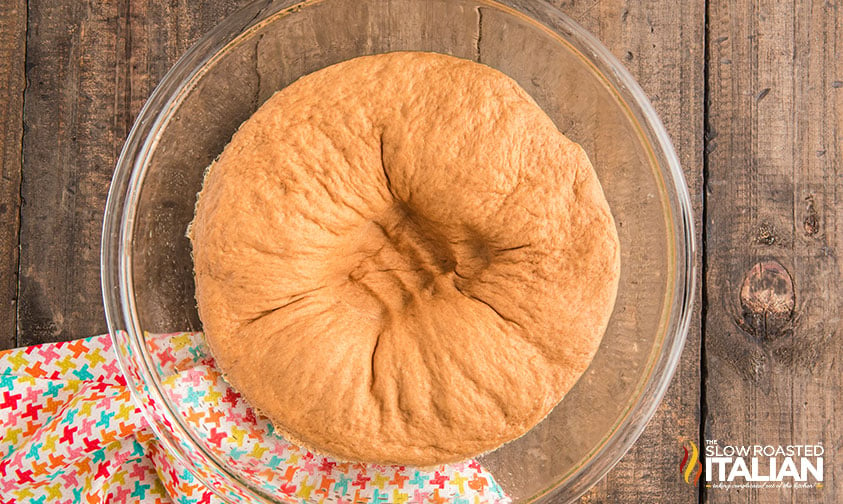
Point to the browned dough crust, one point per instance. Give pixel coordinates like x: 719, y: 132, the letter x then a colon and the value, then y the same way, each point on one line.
x: 400, y: 259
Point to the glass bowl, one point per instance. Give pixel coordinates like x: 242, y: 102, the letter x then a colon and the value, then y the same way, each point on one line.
x: 147, y: 271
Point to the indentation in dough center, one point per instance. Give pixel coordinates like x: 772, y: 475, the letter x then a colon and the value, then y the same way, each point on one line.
x: 397, y: 257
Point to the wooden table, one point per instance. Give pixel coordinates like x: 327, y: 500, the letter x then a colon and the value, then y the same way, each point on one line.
x: 751, y: 92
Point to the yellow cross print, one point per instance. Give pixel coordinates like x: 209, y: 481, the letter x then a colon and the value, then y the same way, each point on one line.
x: 258, y: 451
x: 95, y: 357
x: 181, y: 341
x: 18, y: 360
x: 459, y: 480
x: 379, y: 480
x: 237, y: 435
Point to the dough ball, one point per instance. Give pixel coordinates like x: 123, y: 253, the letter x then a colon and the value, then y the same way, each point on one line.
x: 400, y: 259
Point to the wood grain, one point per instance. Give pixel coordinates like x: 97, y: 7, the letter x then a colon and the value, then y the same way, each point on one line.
x: 773, y: 197
x: 774, y: 193
x: 88, y: 82
x: 661, y: 43
x: 91, y: 65
x: 12, y: 83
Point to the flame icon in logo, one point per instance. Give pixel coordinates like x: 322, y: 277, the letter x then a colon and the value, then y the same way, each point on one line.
x: 687, y: 467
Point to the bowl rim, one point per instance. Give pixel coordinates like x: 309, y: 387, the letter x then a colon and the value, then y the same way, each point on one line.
x: 118, y: 222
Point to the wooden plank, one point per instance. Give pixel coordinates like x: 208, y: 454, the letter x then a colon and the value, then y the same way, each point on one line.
x: 12, y: 83
x: 662, y: 45
x: 774, y: 193
x: 91, y: 65
x: 79, y: 111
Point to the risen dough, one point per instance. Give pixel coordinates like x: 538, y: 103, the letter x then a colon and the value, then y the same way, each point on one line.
x: 400, y: 259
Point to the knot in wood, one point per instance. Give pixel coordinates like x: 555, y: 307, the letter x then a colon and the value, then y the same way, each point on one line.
x: 767, y: 300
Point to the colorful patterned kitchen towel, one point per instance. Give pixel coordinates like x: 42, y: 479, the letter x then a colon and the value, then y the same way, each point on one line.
x: 69, y: 433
